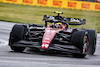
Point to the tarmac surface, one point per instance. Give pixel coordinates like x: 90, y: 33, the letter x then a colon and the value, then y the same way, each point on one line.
x: 30, y: 58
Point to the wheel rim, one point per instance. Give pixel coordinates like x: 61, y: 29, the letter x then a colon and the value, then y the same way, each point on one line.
x: 86, y: 43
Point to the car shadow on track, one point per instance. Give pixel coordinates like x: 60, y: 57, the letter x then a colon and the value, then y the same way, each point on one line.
x: 48, y: 53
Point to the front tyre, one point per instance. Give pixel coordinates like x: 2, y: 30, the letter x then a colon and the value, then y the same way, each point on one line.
x: 80, y: 40
x: 18, y: 33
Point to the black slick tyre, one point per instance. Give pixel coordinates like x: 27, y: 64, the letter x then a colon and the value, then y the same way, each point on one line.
x: 80, y: 40
x: 17, y: 33
x: 92, y: 41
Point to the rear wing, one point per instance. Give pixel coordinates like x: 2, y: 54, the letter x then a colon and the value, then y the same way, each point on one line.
x: 75, y: 21
x: 70, y: 21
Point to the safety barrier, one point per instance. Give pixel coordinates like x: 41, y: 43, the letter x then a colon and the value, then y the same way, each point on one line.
x: 79, y: 5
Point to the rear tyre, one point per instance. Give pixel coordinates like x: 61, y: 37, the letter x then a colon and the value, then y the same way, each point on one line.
x: 80, y: 40
x: 18, y: 32
x: 92, y: 41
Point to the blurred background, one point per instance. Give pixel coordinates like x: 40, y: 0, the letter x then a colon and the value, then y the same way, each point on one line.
x: 88, y: 0
x: 32, y: 11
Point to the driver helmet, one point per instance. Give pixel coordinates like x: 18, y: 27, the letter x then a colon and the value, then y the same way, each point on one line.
x: 59, y: 25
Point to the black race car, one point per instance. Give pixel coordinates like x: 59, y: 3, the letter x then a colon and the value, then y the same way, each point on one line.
x: 55, y: 35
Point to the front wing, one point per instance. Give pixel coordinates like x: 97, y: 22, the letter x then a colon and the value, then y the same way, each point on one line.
x: 56, y: 47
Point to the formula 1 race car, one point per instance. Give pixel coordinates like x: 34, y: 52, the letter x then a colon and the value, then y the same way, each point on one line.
x: 55, y: 35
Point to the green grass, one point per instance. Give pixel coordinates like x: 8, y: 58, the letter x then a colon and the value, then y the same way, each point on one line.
x: 34, y: 14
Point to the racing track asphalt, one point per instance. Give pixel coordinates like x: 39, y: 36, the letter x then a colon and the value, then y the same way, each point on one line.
x: 30, y: 58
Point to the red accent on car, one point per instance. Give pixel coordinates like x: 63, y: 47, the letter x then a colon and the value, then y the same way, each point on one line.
x: 48, y: 36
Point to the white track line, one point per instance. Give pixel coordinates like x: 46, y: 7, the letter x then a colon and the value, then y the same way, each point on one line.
x: 3, y: 42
